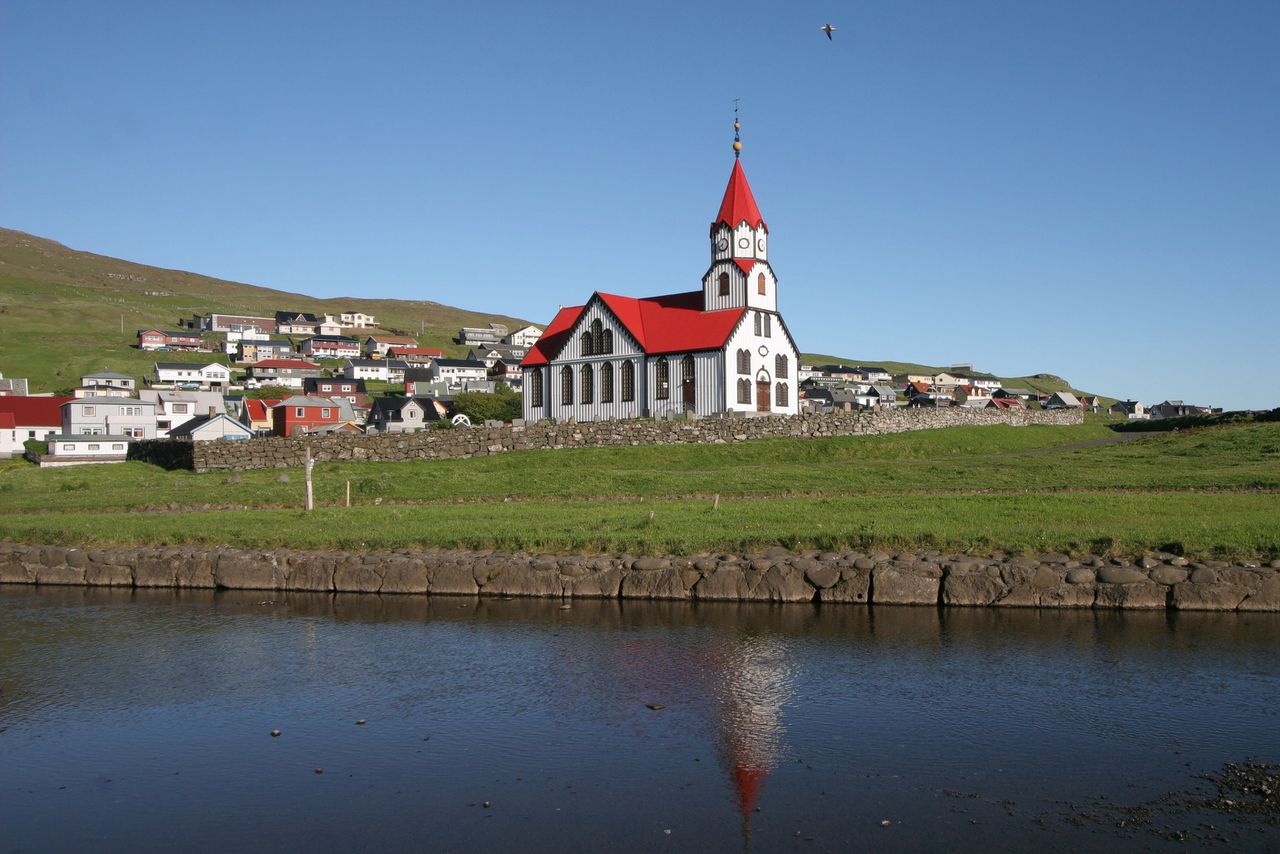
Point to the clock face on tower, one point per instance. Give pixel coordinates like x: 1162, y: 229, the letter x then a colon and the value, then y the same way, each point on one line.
x: 760, y: 244
x: 722, y: 244
x: 744, y: 243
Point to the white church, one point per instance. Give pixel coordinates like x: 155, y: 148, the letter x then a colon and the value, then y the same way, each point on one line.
x: 723, y: 348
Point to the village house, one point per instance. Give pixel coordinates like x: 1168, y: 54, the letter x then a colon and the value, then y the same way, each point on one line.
x: 288, y: 373
x: 1091, y: 403
x: 1176, y: 408
x: 67, y: 449
x: 12, y: 387
x: 237, y: 323
x: 418, y: 383
x: 336, y: 387
x: 403, y: 414
x: 256, y: 414
x: 330, y: 347
x: 192, y: 374
x: 1023, y: 394
x: 1062, y: 400
x: 376, y: 370
x: 103, y: 380
x: 25, y: 418
x: 175, y: 408
x: 250, y: 351
x: 491, y: 353
x: 524, y: 337
x: 456, y: 372
x: 473, y: 335
x: 723, y: 348
x: 306, y: 323
x: 380, y: 344
x: 158, y: 339
x: 357, y: 320
x: 209, y: 428
x: 300, y: 414
x: 1132, y: 409
x: 415, y: 357
x: 101, y: 391
x: 109, y: 416
x: 1006, y: 403
x: 507, y: 371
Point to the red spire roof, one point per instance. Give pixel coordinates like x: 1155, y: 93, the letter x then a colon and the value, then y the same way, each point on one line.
x: 739, y: 204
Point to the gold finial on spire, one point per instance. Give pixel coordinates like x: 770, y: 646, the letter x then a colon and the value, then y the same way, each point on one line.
x: 737, y: 141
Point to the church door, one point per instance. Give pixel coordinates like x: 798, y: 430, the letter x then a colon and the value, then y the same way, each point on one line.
x: 762, y: 397
x: 689, y: 402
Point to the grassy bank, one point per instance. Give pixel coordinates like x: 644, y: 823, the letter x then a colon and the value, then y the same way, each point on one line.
x: 1081, y: 488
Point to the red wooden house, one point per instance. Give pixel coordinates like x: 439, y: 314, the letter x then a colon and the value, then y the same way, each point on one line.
x: 303, y: 414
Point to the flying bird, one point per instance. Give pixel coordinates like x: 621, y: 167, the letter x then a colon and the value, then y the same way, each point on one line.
x: 828, y: 29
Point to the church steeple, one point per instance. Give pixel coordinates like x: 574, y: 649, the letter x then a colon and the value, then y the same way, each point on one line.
x: 740, y: 274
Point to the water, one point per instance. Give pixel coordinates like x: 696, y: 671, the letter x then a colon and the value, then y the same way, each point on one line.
x: 141, y: 720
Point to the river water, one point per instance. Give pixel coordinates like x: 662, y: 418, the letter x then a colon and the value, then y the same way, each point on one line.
x: 142, y: 720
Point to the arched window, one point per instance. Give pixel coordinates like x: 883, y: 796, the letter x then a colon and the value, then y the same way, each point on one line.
x: 724, y: 284
x: 607, y: 346
x: 661, y: 378
x: 759, y: 323
x: 586, y: 344
x: 744, y: 361
x: 588, y: 380
x: 566, y: 385
x: 760, y: 284
x: 597, y: 338
x: 628, y: 381
x: 744, y: 391
x: 535, y: 387
x: 768, y: 325
x: 781, y: 396
x: 606, y: 382
x: 780, y: 366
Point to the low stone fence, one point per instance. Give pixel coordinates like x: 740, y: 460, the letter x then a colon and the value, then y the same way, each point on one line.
x: 483, y: 441
x: 775, y: 575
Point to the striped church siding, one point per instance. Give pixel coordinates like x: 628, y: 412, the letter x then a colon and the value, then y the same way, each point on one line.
x: 708, y: 384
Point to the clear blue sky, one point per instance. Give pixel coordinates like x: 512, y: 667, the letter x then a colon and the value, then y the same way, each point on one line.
x: 1090, y: 188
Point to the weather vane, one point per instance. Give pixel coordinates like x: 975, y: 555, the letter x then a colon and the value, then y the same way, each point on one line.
x: 737, y: 141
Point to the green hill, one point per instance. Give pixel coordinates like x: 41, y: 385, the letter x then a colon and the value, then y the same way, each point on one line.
x: 61, y: 311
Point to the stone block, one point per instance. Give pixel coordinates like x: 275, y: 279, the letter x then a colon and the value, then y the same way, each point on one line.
x: 1140, y: 595
x: 1169, y: 575
x: 524, y: 580
x: 1121, y: 575
x: 307, y: 571
x: 890, y: 586
x: 782, y: 583
x: 1081, y: 576
x: 62, y: 574
x: 245, y: 571
x: 1215, y: 596
x: 596, y: 584
x: 1266, y: 597
x: 725, y: 583
x: 404, y: 575
x: 108, y: 575
x: 154, y: 570
x: 974, y: 587
x: 1069, y: 596
x: 355, y: 576
x: 821, y: 575
x: 654, y: 584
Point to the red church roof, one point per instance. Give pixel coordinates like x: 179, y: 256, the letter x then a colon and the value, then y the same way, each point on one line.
x: 672, y: 323
x: 739, y: 204
x: 34, y: 411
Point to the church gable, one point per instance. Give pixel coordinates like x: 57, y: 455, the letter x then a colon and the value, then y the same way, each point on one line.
x: 597, y: 332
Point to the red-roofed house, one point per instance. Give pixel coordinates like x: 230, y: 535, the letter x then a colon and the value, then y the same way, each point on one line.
x: 23, y: 418
x: 721, y: 348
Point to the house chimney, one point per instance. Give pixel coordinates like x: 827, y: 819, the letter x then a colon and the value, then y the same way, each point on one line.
x: 213, y: 410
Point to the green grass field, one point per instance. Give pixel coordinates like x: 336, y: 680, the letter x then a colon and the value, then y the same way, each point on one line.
x: 1212, y: 492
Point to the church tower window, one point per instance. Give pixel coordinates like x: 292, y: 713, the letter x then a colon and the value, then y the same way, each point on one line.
x: 606, y: 382
x: 760, y: 284
x: 628, y: 381
x: 724, y: 284
x: 566, y: 385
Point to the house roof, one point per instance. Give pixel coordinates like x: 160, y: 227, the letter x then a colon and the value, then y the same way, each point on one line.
x: 739, y: 204
x: 333, y: 339
x: 260, y: 409
x: 415, y: 351
x: 306, y: 400
x: 107, y: 375
x: 7, y: 421
x: 1006, y: 403
x: 117, y: 401
x: 883, y: 391
x: 285, y: 363
x: 460, y: 363
x: 170, y: 334
x: 918, y: 387
x: 290, y: 316
x: 312, y: 383
x: 394, y: 339
x: 88, y: 437
x: 1066, y: 397
x: 189, y: 366
x: 34, y: 411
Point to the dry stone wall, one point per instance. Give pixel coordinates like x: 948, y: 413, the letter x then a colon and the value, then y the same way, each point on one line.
x: 1161, y: 581
x: 483, y: 441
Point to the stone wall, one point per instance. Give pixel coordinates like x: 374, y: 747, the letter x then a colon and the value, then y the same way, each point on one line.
x: 482, y: 441
x: 166, y: 453
x: 775, y: 575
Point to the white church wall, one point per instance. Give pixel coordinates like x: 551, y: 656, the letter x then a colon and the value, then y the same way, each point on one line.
x: 764, y: 351
x: 708, y: 375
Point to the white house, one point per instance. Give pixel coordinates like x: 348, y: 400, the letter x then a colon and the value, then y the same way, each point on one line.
x: 208, y: 428
x: 211, y: 375
x: 330, y: 347
x: 79, y: 450
x: 109, y: 379
x: 457, y: 372
x: 524, y: 337
x: 723, y: 348
x: 176, y: 408
x: 357, y: 319
x: 23, y: 418
x: 109, y: 416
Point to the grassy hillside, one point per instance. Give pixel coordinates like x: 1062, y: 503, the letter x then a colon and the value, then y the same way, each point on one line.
x: 1209, y: 492
x: 1047, y: 383
x: 61, y: 311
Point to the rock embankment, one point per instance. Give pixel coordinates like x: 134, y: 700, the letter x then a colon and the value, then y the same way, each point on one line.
x: 775, y: 575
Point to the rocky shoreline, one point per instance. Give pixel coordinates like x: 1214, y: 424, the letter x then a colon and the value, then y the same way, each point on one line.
x: 1160, y: 581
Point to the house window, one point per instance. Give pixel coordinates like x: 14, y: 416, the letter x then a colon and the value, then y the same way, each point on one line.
x: 662, y: 376
x: 760, y: 284
x: 180, y: 409
x: 94, y: 446
x: 628, y: 381
x: 90, y: 410
x: 588, y: 380
x: 69, y: 447
x: 326, y: 387
x: 566, y: 385
x: 300, y: 412
x: 780, y: 366
x: 744, y: 361
x: 535, y: 388
x: 606, y: 382
x: 744, y: 391
x: 724, y: 284
x: 324, y: 412
x: 781, y: 394
x: 759, y: 323
x: 117, y: 447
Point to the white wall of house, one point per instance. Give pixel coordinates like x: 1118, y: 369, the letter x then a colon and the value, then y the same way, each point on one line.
x: 109, y: 417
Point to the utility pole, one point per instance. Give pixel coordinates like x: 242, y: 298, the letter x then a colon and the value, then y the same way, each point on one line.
x: 310, y: 495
